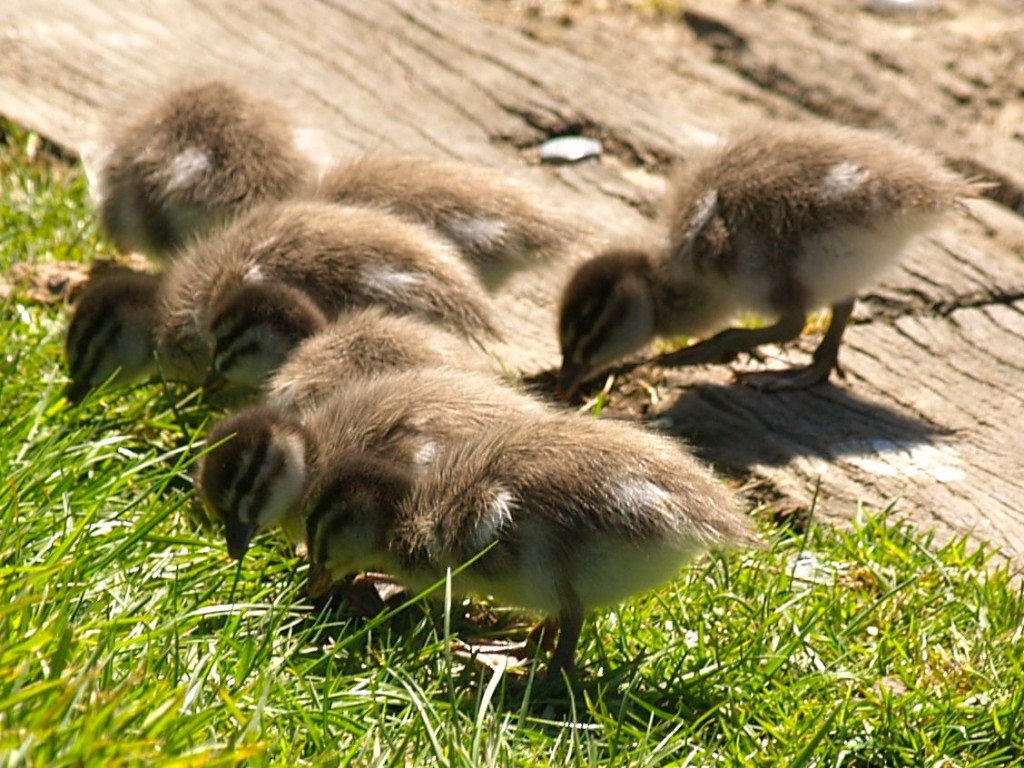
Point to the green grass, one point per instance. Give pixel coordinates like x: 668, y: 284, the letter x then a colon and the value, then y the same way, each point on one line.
x: 127, y: 637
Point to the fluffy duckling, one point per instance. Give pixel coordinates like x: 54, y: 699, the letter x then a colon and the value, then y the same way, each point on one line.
x: 494, y: 221
x: 273, y: 277
x: 563, y: 513
x: 198, y: 156
x: 780, y: 221
x: 358, y: 344
x: 263, y: 458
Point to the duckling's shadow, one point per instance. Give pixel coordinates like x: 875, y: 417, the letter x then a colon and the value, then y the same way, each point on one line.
x: 737, y: 427
x: 562, y: 701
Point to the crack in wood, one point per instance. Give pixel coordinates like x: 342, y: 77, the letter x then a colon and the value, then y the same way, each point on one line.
x: 714, y: 31
x: 888, y: 308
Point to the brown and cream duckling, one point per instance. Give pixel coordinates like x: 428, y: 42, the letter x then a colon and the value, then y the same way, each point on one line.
x: 358, y: 344
x: 499, y: 225
x: 781, y: 221
x: 199, y: 156
x: 274, y: 276
x: 563, y: 513
x: 263, y: 458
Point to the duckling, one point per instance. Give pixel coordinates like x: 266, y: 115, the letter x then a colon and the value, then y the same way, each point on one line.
x: 110, y: 336
x: 263, y: 458
x: 493, y: 220
x: 276, y: 273
x: 358, y: 344
x: 780, y: 221
x: 563, y: 512
x: 279, y: 272
x: 197, y: 157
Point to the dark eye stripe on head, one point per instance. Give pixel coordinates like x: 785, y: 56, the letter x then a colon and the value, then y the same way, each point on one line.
x: 226, y: 334
x: 319, y: 521
x: 579, y: 322
x: 224, y: 362
x: 601, y: 329
x: 249, y: 473
x: 262, y: 490
x: 91, y: 364
x: 81, y: 331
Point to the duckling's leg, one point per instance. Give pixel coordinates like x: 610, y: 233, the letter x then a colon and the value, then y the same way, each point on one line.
x: 571, y: 621
x: 826, y: 359
x: 724, y: 346
x: 543, y: 635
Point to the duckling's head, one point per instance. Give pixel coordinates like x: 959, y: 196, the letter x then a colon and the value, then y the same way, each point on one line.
x: 607, y: 312
x: 111, y: 336
x: 351, y: 514
x: 254, y: 473
x: 255, y: 327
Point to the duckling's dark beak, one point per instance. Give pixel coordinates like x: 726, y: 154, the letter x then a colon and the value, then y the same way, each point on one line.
x: 214, y: 382
x: 320, y: 581
x: 239, y: 535
x: 570, y: 377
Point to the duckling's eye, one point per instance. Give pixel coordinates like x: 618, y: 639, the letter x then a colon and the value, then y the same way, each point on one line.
x: 589, y: 309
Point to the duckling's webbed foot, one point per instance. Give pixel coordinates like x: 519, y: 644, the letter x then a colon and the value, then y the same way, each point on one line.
x: 723, y: 347
x: 826, y: 360
x: 541, y: 637
x: 791, y: 378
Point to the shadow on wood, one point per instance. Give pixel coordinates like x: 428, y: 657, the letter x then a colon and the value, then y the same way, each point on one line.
x: 737, y: 428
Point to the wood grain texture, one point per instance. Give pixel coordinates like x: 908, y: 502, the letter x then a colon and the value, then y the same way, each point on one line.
x: 930, y: 413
